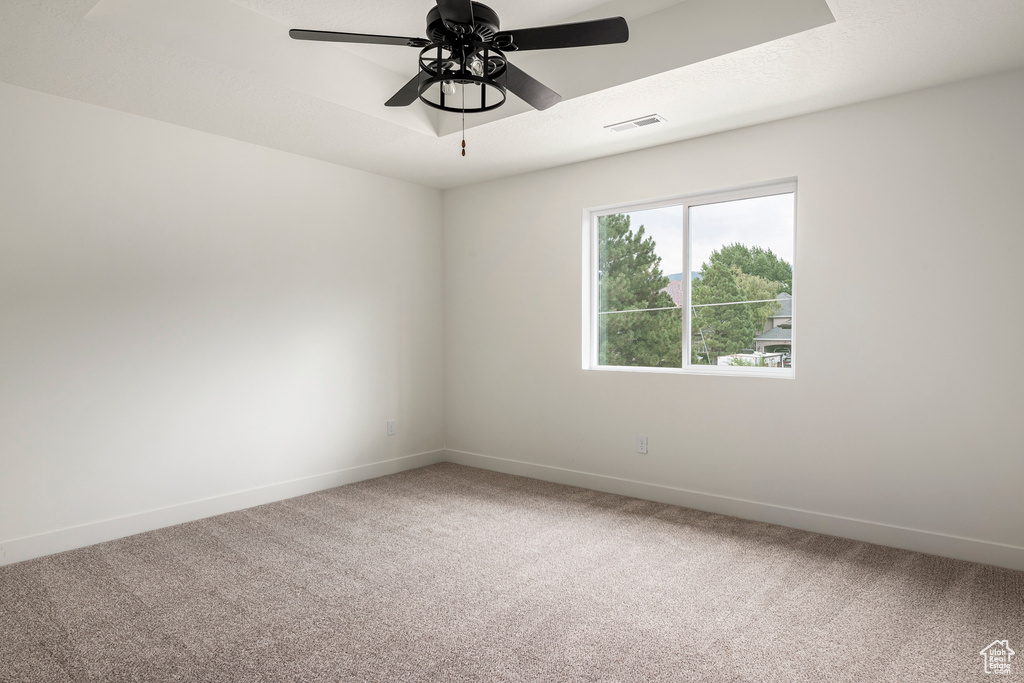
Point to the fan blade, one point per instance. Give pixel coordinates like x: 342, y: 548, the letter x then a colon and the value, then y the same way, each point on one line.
x: 600, y: 32
x: 409, y: 93
x: 529, y: 89
x: 458, y: 12
x: 333, y: 37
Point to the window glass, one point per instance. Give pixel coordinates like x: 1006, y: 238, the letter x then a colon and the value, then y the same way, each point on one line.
x: 741, y: 253
x: 641, y: 288
x: 704, y: 283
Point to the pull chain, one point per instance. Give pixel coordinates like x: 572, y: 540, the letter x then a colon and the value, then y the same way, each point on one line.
x: 463, y: 119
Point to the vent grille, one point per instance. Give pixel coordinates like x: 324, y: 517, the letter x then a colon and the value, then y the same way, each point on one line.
x: 635, y: 123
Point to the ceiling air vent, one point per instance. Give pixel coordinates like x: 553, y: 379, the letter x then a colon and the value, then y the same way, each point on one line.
x: 635, y: 123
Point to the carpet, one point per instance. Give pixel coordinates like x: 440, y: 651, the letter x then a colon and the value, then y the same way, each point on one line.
x: 449, y: 573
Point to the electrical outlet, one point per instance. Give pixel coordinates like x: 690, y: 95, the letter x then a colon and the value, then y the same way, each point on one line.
x: 391, y: 428
x: 641, y: 444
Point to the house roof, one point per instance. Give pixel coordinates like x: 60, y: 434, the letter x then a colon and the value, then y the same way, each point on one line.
x: 786, y: 306
x: 776, y: 334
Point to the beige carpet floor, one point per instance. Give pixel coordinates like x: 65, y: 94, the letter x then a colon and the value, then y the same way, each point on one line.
x: 449, y: 573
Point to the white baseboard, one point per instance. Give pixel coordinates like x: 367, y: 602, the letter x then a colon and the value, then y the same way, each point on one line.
x: 973, y: 550
x: 29, y: 547
x: 957, y: 547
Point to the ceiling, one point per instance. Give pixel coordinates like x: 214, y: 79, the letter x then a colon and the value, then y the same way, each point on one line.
x: 228, y: 68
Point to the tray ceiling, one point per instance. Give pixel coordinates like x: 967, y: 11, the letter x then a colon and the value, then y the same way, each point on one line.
x: 227, y: 67
x: 251, y: 36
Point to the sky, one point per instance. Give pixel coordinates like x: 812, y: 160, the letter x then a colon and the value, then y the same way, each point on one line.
x: 766, y: 222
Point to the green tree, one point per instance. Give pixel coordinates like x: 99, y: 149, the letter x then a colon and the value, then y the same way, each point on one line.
x: 756, y: 288
x: 720, y: 330
x: 631, y: 280
x: 756, y: 261
x: 735, y: 273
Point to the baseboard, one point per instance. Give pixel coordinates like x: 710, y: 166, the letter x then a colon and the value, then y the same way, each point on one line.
x: 972, y: 550
x: 29, y: 547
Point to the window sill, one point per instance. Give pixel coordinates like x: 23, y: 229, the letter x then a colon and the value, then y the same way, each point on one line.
x: 717, y: 370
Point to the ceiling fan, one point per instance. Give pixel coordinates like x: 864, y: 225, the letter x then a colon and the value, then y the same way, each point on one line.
x: 467, y: 47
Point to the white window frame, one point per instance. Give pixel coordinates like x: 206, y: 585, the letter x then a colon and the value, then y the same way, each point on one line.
x: 590, y: 281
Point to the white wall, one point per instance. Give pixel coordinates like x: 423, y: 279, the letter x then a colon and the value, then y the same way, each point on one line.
x: 190, y: 324
x: 905, y: 423
x: 185, y: 317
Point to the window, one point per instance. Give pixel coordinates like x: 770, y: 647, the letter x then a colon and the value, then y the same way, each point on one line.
x: 699, y: 284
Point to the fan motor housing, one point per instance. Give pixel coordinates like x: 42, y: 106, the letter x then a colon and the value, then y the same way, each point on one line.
x: 485, y: 25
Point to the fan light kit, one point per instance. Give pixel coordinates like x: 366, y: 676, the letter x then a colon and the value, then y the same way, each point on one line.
x: 467, y: 47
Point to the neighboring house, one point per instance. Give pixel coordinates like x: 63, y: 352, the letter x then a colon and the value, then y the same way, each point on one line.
x: 778, y: 331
